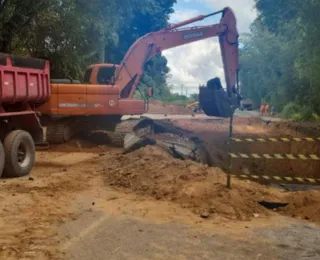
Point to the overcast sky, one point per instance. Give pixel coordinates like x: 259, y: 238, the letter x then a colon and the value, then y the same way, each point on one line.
x: 195, y: 63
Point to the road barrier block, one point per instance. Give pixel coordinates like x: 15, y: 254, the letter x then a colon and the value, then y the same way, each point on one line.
x: 256, y: 156
x: 274, y: 140
x: 273, y: 178
x: 275, y: 156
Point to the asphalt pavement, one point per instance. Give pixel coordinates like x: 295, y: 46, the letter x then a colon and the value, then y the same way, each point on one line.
x: 100, y: 236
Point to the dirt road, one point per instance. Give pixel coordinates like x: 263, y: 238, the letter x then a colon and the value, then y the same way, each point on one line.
x: 189, y: 115
x: 89, y: 201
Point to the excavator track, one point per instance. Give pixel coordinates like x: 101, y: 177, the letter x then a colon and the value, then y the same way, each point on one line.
x: 139, y: 126
x: 58, y: 133
x: 61, y: 131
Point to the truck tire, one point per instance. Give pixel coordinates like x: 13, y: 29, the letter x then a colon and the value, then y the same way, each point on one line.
x: 2, y: 159
x: 19, y: 150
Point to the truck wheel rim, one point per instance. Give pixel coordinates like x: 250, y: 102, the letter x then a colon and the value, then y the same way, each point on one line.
x: 23, y: 154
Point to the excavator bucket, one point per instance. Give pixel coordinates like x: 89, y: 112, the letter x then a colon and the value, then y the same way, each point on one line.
x: 215, y: 101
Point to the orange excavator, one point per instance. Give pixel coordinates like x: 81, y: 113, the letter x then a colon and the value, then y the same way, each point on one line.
x: 107, y: 92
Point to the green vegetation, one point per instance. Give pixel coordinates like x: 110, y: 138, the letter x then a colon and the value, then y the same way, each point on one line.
x: 299, y: 113
x: 183, y: 100
x: 72, y: 34
x: 280, y: 58
x: 290, y: 110
x: 176, y: 99
x: 164, y: 93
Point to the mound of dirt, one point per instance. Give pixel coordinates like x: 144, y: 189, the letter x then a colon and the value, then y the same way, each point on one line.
x: 303, y: 204
x: 151, y: 171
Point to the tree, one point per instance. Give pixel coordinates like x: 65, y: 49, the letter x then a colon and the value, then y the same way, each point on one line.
x: 280, y: 58
x: 194, y: 97
x: 16, y: 17
x: 72, y: 34
x: 145, y: 16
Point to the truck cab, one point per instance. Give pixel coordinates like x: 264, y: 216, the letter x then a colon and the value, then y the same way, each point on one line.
x: 246, y: 104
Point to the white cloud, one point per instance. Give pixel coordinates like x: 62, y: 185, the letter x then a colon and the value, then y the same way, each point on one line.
x: 190, y: 64
x: 181, y: 15
x: 244, y: 10
x: 198, y: 62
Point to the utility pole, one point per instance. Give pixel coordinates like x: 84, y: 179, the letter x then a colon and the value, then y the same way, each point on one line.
x: 102, y: 48
x: 181, y: 89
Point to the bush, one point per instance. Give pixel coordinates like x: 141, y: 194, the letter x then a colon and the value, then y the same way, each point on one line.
x: 307, y: 114
x: 296, y: 117
x: 298, y: 113
x: 290, y: 110
x: 316, y: 116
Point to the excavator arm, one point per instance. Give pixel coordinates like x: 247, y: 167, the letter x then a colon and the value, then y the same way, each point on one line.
x: 129, y: 72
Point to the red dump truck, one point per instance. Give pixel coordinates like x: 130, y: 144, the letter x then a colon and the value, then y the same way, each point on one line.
x: 24, y: 85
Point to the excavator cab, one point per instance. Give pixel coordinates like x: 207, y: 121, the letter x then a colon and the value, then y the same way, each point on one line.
x: 101, y: 74
x: 215, y: 101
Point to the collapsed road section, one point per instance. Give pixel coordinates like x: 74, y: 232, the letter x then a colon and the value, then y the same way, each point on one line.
x: 179, y: 143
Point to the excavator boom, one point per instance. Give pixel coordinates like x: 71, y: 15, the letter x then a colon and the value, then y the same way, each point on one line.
x: 131, y: 68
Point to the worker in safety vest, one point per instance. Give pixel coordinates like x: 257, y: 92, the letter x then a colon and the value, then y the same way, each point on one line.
x: 266, y: 109
x: 262, y: 109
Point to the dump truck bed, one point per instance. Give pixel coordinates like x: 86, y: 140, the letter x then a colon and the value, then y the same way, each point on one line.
x: 23, y: 80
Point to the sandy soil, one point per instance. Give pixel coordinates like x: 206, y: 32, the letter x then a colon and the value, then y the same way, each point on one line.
x: 150, y: 171
x: 81, y: 177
